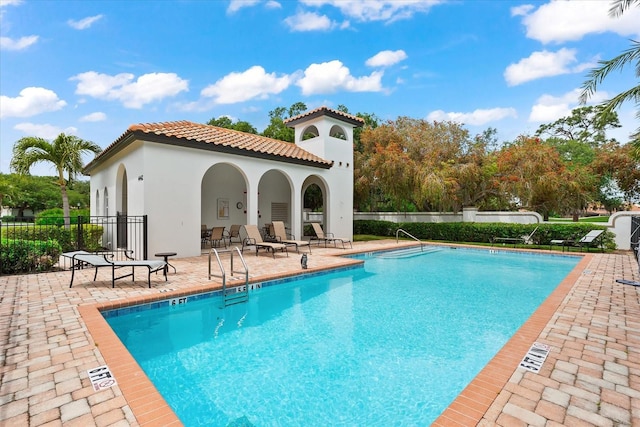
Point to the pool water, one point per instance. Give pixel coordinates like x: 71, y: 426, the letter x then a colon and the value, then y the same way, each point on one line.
x: 390, y: 343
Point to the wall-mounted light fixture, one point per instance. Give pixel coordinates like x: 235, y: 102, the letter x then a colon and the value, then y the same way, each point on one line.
x: 140, y: 177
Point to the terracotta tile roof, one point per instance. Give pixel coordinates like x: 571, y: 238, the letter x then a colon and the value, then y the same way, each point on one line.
x: 324, y: 111
x: 201, y: 136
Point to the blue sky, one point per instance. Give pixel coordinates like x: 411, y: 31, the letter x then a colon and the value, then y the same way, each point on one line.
x: 93, y: 68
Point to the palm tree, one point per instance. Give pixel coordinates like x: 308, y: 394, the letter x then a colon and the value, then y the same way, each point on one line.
x: 597, y: 75
x: 65, y: 153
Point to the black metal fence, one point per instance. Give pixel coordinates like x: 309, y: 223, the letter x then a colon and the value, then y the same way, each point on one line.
x: 35, y: 247
x: 635, y: 236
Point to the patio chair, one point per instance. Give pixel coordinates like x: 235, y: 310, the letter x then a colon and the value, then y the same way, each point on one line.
x: 254, y: 238
x: 204, y: 233
x: 217, y: 237
x: 565, y: 243
x: 321, y: 236
x: 526, y: 239
x: 592, y: 238
x: 280, y: 233
x: 233, y: 233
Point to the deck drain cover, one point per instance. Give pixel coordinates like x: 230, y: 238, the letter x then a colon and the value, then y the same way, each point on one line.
x: 535, y: 357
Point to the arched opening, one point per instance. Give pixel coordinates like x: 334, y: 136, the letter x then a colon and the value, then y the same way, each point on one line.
x: 314, y: 204
x: 223, y: 200
x: 122, y: 239
x: 105, y: 205
x: 338, y: 132
x: 310, y: 132
x: 97, y: 211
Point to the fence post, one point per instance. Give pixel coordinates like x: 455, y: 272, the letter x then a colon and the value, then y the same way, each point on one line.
x: 79, y: 235
x: 144, y: 236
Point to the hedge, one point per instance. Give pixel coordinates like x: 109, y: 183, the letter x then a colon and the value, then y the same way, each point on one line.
x: 481, y: 232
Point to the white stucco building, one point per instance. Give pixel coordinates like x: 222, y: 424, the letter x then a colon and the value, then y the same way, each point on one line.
x: 183, y: 174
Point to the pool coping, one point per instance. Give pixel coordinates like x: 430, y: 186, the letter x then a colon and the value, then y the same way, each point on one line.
x: 469, y: 407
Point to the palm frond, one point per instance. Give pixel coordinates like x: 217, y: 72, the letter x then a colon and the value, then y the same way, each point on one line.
x: 618, y: 7
x: 597, y: 75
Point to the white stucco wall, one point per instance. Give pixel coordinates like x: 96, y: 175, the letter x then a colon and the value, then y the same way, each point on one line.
x: 620, y: 224
x: 339, y: 179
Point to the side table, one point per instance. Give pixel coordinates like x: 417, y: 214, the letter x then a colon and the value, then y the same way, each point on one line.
x: 166, y: 256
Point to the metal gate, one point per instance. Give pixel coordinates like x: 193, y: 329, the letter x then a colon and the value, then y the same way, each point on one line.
x: 635, y: 234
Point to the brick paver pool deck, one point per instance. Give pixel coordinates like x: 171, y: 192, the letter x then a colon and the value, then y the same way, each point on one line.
x: 50, y: 335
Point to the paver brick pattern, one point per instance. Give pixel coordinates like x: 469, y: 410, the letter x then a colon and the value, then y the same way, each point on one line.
x: 590, y: 378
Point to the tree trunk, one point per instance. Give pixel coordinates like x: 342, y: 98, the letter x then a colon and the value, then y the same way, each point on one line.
x: 65, y: 206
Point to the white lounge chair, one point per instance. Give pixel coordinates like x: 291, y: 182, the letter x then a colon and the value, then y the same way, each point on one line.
x: 592, y: 238
x: 254, y: 238
x: 81, y: 259
x: 328, y: 237
x: 526, y: 239
x: 280, y: 233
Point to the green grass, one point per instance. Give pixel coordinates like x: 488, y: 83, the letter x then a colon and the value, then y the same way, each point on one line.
x: 367, y: 237
x: 585, y: 219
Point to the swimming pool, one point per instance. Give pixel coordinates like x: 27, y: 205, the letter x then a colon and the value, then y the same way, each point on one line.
x: 365, y: 346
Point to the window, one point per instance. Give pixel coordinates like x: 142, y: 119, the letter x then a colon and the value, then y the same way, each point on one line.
x: 337, y: 132
x: 280, y: 212
x: 106, y: 202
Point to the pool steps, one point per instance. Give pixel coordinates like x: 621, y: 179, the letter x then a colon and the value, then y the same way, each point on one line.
x: 408, y: 253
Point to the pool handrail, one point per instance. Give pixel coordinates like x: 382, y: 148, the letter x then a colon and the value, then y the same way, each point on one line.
x: 239, y: 295
x: 410, y: 235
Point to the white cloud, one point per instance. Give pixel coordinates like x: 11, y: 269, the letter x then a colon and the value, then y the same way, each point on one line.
x: 250, y: 84
x: 7, y: 43
x: 94, y: 117
x: 30, y: 102
x: 273, y: 5
x: 541, y: 64
x: 476, y: 118
x: 522, y: 10
x: 45, y: 131
x: 549, y: 108
x: 133, y: 94
x: 386, y: 58
x: 561, y: 21
x: 309, y: 21
x: 332, y: 76
x: 236, y: 5
x: 377, y: 10
x: 83, y: 24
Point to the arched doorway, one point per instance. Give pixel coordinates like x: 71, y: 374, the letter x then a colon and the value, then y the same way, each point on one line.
x: 314, y: 203
x: 223, y: 198
x: 122, y: 208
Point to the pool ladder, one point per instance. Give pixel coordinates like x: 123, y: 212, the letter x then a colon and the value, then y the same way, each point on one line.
x: 236, y: 294
x: 400, y: 230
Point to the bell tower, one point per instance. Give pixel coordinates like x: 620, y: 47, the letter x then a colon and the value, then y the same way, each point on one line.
x: 328, y: 134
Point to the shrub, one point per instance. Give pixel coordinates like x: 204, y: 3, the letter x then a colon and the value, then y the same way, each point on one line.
x: 56, y: 217
x: 23, y: 256
x: 480, y: 232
